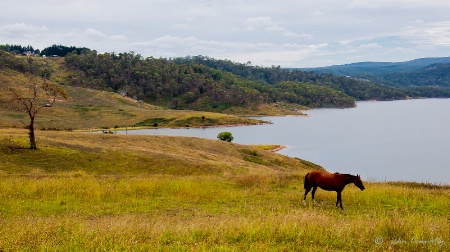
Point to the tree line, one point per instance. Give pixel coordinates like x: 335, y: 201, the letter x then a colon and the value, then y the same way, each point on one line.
x: 189, y: 84
x: 358, y: 88
x: 18, y: 49
x: 62, y: 51
x: 54, y: 50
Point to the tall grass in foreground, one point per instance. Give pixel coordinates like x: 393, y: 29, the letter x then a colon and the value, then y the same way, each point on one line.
x: 80, y: 212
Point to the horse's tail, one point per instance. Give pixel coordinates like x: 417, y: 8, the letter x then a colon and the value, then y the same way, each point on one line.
x: 306, y: 184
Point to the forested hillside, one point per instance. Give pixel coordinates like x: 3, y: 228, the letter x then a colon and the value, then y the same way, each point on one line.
x: 189, y: 85
x: 357, y: 88
x: 204, y: 83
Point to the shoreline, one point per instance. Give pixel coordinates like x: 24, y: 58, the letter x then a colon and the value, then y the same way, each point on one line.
x: 278, y: 148
x: 152, y: 127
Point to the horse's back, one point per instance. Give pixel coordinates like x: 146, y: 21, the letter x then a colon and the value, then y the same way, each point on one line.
x: 314, y: 175
x: 324, y: 180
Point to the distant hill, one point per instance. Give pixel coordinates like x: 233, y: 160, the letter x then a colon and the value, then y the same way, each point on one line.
x: 436, y: 75
x: 377, y: 68
x: 433, y: 73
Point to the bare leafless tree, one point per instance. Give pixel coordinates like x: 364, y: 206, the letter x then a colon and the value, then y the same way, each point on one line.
x: 30, y: 100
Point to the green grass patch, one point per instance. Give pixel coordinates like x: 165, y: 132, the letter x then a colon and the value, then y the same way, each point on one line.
x: 154, y: 122
x: 197, y: 121
x: 250, y: 152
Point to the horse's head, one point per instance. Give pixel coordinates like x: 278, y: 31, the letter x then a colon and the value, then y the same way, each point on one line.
x: 357, y: 181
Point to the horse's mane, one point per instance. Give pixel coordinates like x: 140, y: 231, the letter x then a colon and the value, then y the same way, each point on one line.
x: 345, y: 174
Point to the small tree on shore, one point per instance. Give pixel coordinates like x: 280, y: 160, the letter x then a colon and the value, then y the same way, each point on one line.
x: 225, y: 136
x: 31, y: 100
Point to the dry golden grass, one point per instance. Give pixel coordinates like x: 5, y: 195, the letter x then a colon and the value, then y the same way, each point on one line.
x: 143, y: 154
x: 95, y: 192
x: 204, y: 213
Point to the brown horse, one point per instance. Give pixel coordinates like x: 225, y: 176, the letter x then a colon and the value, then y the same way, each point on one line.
x: 330, y: 182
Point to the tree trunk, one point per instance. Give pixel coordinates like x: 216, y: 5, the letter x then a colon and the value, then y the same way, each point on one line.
x: 32, y: 136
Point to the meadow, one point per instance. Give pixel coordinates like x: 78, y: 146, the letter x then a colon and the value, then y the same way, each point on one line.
x: 96, y: 192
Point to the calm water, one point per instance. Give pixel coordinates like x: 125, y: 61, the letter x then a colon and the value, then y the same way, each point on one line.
x: 395, y: 140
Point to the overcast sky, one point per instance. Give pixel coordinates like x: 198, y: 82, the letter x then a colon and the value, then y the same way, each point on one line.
x: 290, y: 33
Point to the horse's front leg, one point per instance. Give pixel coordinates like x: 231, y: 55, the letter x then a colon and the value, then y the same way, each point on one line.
x: 339, y: 199
x: 306, y: 193
x: 312, y: 194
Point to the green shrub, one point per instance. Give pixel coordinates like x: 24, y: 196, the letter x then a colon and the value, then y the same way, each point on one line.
x: 225, y: 136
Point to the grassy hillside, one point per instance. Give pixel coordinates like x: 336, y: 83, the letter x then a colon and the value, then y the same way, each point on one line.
x: 127, y: 155
x: 87, y: 108
x: 85, y: 192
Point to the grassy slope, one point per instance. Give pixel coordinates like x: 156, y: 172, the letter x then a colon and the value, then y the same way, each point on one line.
x: 130, y: 155
x: 87, y: 108
x: 82, y: 192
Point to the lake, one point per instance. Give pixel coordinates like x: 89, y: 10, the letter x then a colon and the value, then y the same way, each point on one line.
x: 406, y: 140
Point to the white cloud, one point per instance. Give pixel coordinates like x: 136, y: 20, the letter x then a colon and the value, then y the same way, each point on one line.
x: 21, y: 30
x: 268, y: 25
x: 394, y: 4
x: 363, y: 4
x: 91, y: 32
x: 172, y: 46
x: 24, y: 34
x: 264, y: 32
x: 180, y: 26
x: 370, y: 46
x: 345, y: 42
x: 286, y: 55
x: 100, y: 37
x: 437, y: 34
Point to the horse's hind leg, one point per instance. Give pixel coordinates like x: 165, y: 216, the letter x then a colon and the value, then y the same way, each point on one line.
x: 312, y: 194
